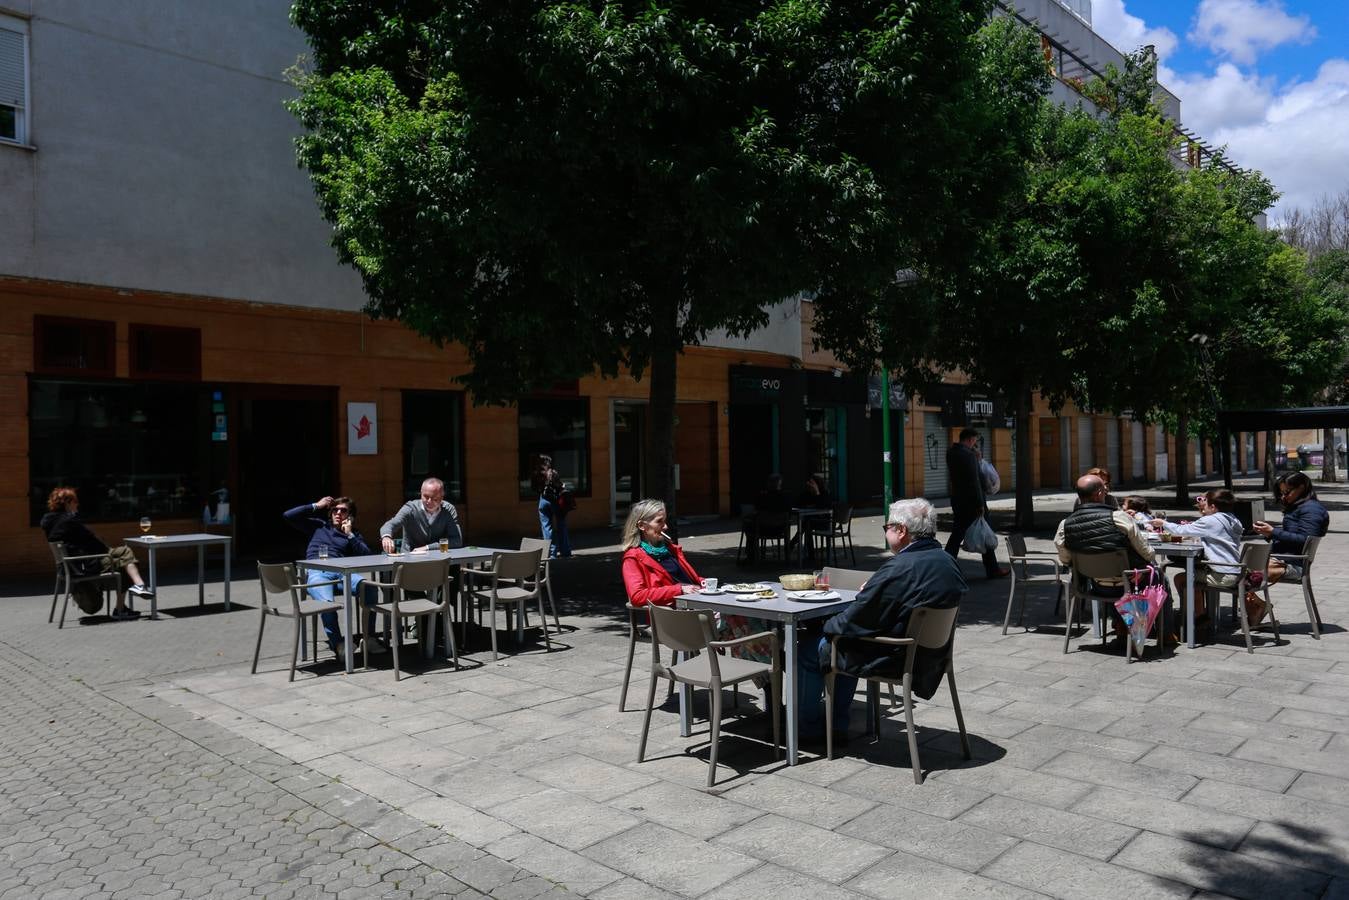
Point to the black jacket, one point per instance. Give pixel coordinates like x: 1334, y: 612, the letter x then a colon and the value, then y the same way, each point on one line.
x: 967, y: 488
x: 1305, y: 519
x: 66, y: 528
x: 921, y: 575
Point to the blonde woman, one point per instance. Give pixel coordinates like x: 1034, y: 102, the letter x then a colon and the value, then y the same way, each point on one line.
x: 654, y: 568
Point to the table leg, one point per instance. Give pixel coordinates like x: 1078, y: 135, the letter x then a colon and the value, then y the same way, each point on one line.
x: 1189, y: 602
x: 685, y: 704
x: 201, y: 574
x: 154, y: 593
x: 351, y: 634
x: 227, y: 576
x: 789, y: 687
x: 800, y: 540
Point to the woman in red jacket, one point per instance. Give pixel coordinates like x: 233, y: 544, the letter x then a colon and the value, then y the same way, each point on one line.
x: 654, y: 568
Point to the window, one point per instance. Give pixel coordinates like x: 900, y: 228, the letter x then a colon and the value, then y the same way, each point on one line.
x: 158, y: 351
x: 13, y: 80
x: 74, y: 346
x: 558, y: 427
x: 433, y: 442
x: 129, y: 449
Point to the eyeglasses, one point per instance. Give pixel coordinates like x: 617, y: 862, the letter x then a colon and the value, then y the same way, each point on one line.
x: 888, y: 525
x: 344, y: 510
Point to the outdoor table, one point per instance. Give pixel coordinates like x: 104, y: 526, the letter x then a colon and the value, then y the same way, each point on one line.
x: 382, y: 562
x: 780, y: 609
x: 1189, y: 551
x: 201, y: 542
x: 803, y: 513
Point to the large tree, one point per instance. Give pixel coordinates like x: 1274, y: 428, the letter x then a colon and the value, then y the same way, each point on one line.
x: 566, y: 187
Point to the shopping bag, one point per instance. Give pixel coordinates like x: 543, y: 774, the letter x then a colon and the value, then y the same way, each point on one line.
x: 1140, y: 607
x: 979, y: 537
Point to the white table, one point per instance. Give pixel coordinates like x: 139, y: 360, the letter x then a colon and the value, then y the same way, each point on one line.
x: 201, y: 542
x: 345, y: 566
x: 1189, y: 551
x: 779, y: 609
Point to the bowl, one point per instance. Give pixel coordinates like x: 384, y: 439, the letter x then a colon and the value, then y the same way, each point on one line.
x: 797, y: 582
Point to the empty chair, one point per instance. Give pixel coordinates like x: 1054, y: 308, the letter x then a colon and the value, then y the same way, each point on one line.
x: 1021, y: 561
x: 513, y: 580
x: 1254, y: 559
x: 280, y: 578
x: 690, y: 631
x: 1087, y: 567
x: 431, y: 578
x: 841, y: 534
x: 1303, y: 560
x: 545, y: 577
x: 67, y: 570
x: 928, y: 628
x: 639, y: 623
x: 770, y: 527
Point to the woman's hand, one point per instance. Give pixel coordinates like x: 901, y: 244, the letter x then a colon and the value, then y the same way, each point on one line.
x: 1264, y: 529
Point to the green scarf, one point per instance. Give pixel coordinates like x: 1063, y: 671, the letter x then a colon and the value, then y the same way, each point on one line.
x: 657, y: 552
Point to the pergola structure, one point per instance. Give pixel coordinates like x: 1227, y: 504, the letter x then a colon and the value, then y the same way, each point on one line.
x: 1256, y: 420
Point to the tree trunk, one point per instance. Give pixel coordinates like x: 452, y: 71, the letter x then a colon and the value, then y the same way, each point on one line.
x: 1183, y: 460
x: 1269, y: 460
x: 660, y: 432
x: 1328, y: 471
x: 1025, y: 501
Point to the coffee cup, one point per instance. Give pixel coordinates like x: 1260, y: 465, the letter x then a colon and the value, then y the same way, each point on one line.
x: 710, y: 584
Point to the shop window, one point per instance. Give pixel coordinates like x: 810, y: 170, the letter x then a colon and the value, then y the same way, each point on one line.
x: 433, y: 442
x: 161, y: 352
x: 74, y: 346
x: 129, y: 449
x: 557, y: 427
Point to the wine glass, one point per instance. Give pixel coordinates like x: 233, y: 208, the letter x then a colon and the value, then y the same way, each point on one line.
x: 145, y: 524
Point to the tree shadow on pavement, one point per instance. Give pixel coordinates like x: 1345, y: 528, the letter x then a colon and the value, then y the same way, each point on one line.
x: 1277, y: 859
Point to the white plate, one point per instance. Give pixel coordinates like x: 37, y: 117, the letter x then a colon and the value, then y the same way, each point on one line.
x: 707, y: 593
x: 814, y: 596
x: 743, y: 588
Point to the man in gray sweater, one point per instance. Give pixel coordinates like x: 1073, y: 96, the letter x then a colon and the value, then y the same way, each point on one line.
x: 424, y: 522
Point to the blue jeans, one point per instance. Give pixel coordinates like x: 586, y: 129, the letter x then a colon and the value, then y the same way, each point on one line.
x: 553, y: 524
x: 324, y: 594
x: 810, y: 688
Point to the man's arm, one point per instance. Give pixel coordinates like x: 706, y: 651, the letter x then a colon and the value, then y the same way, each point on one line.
x: 453, y: 532
x: 396, y: 523
x: 1125, y: 523
x: 1065, y: 555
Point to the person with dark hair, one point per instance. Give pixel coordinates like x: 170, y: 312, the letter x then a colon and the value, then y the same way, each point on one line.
x: 332, y: 535
x: 1303, y: 516
x: 62, y: 524
x: 1220, y: 533
x: 555, y: 501
x: 968, y: 503
x: 1138, y: 509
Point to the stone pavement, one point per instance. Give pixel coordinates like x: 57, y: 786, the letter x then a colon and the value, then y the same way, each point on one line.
x: 141, y: 759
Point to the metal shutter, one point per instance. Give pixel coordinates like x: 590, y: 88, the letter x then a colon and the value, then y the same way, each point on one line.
x: 1113, y: 463
x: 12, y: 92
x: 1137, y: 468
x: 1086, y: 456
x: 936, y: 482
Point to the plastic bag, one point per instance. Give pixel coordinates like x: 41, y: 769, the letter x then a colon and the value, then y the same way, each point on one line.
x: 989, y: 476
x: 979, y: 537
x: 1139, y: 608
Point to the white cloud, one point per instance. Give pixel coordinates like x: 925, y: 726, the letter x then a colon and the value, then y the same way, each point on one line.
x: 1127, y: 32
x: 1243, y: 29
x: 1228, y: 98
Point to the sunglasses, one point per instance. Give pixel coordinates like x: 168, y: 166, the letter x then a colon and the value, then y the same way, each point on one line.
x: 888, y: 525
x: 341, y: 509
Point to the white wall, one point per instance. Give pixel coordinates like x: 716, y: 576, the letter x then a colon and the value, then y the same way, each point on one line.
x: 164, y: 158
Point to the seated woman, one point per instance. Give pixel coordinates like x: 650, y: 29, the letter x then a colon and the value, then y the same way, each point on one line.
x: 1303, y: 517
x: 655, y: 572
x: 1138, y: 509
x: 62, y: 524
x: 1220, y: 533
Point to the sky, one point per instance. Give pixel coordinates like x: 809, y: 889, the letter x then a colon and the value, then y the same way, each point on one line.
x: 1268, y: 79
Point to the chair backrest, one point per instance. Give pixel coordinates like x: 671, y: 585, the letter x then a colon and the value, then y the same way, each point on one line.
x: 1309, y: 550
x: 276, y: 578
x: 843, y: 517
x: 1099, y: 566
x: 528, y: 543
x: 772, y: 523
x: 1016, y: 544
x: 932, y: 627
x: 58, y: 552
x: 685, y: 630
x: 1255, y: 556
x: 422, y: 575
x: 847, y: 579
x: 517, y: 564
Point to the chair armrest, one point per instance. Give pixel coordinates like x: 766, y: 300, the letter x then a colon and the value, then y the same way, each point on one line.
x: 735, y: 642
x: 84, y: 557
x: 1283, y: 556
x: 1053, y: 553
x: 333, y: 581
x: 469, y: 570
x: 890, y: 641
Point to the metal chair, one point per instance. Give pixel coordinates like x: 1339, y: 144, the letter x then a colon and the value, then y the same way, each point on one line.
x: 930, y: 629
x: 690, y: 631
x: 432, y: 578
x: 761, y: 529
x: 1305, y: 559
x: 1254, y: 559
x: 1021, y: 561
x: 514, y: 580
x: 842, y: 531
x: 1088, y: 567
x: 66, y: 571
x: 280, y: 578
x: 545, y: 577
x: 639, y: 623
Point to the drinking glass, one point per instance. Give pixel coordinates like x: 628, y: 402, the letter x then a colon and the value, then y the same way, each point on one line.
x: 323, y: 551
x: 145, y: 524
x: 822, y: 580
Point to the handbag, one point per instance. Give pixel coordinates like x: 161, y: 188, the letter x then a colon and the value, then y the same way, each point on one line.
x: 1140, y: 607
x: 979, y: 537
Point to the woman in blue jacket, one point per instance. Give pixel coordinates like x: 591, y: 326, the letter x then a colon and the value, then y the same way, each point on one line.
x: 1303, y: 517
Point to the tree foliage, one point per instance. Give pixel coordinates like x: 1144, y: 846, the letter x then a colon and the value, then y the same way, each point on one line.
x: 570, y: 186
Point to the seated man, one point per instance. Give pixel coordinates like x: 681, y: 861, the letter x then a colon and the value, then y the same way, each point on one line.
x: 424, y: 522
x: 337, y: 535
x: 918, y: 575
x: 62, y: 524
x: 1095, y: 526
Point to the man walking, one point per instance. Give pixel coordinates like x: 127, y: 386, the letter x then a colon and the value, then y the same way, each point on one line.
x: 968, y: 504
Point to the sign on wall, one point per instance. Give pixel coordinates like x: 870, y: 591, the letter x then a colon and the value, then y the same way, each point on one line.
x: 362, y: 430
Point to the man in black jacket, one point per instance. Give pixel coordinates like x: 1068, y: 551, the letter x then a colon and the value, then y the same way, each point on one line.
x: 968, y: 504
x: 918, y: 575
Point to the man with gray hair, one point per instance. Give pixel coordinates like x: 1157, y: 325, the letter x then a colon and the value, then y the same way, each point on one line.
x: 425, y: 521
x: 918, y: 575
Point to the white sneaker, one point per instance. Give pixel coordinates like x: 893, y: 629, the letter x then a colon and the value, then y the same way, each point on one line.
x: 141, y: 590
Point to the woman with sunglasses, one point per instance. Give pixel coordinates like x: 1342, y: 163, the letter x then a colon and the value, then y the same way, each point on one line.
x: 332, y: 532
x: 1303, y: 516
